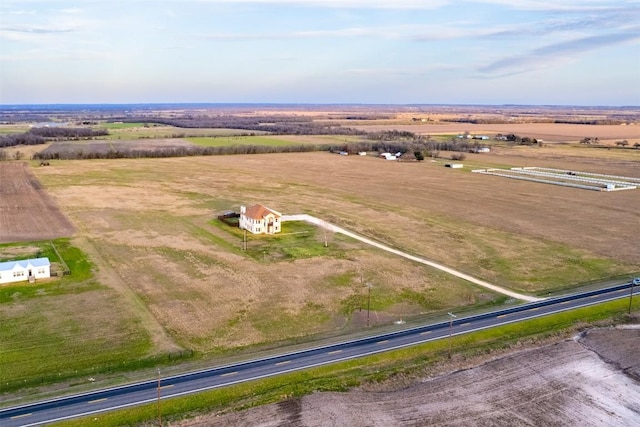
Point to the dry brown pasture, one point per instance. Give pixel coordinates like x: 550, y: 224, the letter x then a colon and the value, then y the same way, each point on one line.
x: 149, y: 221
x: 549, y: 132
x: 27, y: 212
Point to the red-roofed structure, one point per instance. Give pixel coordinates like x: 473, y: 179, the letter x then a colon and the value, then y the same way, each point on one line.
x: 259, y: 219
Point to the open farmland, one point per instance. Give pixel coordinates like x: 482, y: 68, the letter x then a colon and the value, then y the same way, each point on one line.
x: 549, y: 132
x: 27, y: 212
x: 70, y: 149
x: 151, y: 223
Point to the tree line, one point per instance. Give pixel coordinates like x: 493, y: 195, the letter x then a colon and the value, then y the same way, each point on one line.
x: 52, y: 153
x: 280, y: 125
x: 42, y: 135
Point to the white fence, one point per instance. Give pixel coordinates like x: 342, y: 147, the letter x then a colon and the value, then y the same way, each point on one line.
x: 566, y: 178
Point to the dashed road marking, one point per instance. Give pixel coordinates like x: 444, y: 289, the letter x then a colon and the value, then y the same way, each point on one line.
x: 228, y: 374
x: 283, y: 363
x: 20, y: 416
x: 335, y: 352
x: 97, y: 400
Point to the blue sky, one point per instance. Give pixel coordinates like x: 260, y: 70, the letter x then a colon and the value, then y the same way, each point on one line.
x: 565, y: 52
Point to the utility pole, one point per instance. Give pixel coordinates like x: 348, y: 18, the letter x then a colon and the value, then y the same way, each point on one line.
x: 368, y: 301
x: 159, y: 413
x: 244, y: 240
x: 359, y: 298
x: 451, y: 317
x: 634, y: 282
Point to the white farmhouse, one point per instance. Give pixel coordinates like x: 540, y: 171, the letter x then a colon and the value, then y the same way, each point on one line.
x: 258, y: 219
x: 27, y: 269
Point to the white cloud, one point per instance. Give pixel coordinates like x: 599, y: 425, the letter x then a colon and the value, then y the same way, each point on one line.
x: 344, y: 4
x: 560, y: 5
x: 555, y: 53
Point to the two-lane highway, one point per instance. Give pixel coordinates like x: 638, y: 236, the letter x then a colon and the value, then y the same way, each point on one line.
x: 145, y: 392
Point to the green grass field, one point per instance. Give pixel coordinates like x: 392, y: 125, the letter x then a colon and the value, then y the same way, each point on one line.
x: 58, y: 329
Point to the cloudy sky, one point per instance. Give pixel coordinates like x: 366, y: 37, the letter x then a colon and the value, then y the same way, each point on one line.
x: 567, y: 52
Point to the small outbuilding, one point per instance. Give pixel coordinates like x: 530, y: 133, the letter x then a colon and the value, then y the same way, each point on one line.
x: 27, y: 269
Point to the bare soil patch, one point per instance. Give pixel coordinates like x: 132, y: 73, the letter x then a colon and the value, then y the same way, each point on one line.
x: 26, y: 210
x: 569, y: 383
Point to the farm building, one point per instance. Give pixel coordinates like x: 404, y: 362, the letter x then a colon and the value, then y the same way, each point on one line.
x: 28, y: 269
x: 259, y: 219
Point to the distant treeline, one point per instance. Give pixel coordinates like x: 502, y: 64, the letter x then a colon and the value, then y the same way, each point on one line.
x: 280, y: 125
x: 41, y: 135
x: 68, y: 133
x: 498, y: 121
x: 420, y: 144
x: 26, y: 138
x: 52, y: 153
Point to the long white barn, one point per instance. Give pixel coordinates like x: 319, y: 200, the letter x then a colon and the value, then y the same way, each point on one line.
x: 26, y: 269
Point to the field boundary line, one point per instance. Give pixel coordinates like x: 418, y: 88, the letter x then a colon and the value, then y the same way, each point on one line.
x: 326, y: 225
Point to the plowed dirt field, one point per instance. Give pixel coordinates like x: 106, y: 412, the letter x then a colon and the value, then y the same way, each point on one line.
x: 27, y: 213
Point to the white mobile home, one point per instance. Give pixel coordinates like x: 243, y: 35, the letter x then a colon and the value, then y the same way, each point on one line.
x: 27, y: 269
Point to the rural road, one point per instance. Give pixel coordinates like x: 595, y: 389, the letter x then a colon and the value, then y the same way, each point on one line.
x: 147, y: 392
x: 324, y: 224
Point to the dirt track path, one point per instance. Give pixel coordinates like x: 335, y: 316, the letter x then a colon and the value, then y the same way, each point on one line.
x: 109, y: 276
x: 324, y: 224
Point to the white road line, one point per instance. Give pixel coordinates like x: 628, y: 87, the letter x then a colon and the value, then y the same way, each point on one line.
x: 97, y: 400
x: 283, y: 363
x: 335, y: 352
x: 228, y: 374
x: 20, y: 416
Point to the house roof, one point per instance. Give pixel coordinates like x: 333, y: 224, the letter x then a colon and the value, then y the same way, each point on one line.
x: 259, y: 212
x: 25, y: 263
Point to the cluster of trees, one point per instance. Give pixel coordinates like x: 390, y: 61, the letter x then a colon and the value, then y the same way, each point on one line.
x: 26, y: 138
x: 426, y: 146
x: 53, y: 153
x: 68, y: 133
x: 41, y: 135
x: 588, y: 140
x: 393, y: 135
x: 519, y: 140
x: 280, y: 125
